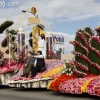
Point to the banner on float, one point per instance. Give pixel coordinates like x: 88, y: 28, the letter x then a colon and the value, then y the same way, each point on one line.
x: 58, y: 39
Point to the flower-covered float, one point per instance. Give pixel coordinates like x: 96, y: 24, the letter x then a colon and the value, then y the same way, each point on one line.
x: 53, y: 70
x: 11, y: 68
x: 82, y: 74
x: 7, y: 65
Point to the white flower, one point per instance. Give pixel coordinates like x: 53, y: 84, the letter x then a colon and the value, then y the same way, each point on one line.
x: 64, y: 66
x: 63, y: 72
x: 66, y: 69
x: 71, y: 72
x: 69, y: 69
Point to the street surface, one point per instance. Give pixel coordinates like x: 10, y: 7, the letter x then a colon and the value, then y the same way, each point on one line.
x: 7, y: 93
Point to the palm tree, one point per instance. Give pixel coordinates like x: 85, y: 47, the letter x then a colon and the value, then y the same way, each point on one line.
x: 4, y: 27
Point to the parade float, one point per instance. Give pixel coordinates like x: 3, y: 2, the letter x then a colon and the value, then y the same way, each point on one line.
x: 11, y: 68
x: 7, y: 68
x: 82, y: 74
x: 76, y: 76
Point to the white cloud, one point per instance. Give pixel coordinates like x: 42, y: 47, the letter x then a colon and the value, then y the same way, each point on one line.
x: 64, y: 10
x: 69, y: 9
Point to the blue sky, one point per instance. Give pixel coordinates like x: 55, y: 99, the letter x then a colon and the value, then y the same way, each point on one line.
x: 60, y: 16
x: 71, y: 27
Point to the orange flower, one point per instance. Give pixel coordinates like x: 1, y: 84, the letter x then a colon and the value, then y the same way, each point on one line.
x: 55, y: 84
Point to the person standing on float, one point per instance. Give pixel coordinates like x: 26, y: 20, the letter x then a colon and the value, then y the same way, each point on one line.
x: 41, y: 43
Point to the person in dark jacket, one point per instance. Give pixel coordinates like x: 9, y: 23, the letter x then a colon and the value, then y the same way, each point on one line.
x: 39, y: 64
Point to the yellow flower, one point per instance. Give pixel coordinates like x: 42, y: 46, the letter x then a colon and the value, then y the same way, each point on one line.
x: 53, y: 71
x: 48, y: 87
x: 84, y: 86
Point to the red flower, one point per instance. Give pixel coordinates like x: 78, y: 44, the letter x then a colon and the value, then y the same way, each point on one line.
x: 55, y: 84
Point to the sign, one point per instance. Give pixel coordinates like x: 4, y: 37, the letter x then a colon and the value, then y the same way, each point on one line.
x: 33, y: 20
x: 58, y: 39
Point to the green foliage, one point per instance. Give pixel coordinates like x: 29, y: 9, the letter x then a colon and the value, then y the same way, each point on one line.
x: 80, y: 60
x: 77, y: 38
x: 80, y: 30
x: 30, y: 42
x: 30, y: 35
x: 68, y: 69
x: 80, y: 69
x: 4, y: 42
x: 94, y: 70
x: 41, y: 26
x: 7, y: 51
x: 88, y: 30
x: 5, y: 25
x: 80, y: 50
x: 13, y: 38
x: 95, y: 44
x: 93, y: 57
x: 13, y: 32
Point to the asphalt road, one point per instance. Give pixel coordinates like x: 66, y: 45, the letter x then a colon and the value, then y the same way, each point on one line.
x: 7, y: 93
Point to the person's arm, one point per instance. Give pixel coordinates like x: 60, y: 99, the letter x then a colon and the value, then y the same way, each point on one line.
x: 32, y: 53
x: 35, y: 62
x: 29, y: 60
x: 38, y: 56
